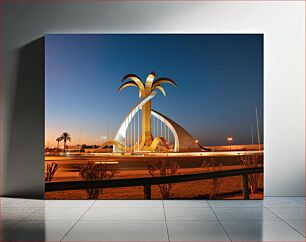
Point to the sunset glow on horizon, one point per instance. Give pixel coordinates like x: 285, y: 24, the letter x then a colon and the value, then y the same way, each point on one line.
x: 219, y: 78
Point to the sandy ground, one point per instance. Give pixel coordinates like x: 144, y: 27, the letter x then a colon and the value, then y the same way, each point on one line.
x: 184, y: 190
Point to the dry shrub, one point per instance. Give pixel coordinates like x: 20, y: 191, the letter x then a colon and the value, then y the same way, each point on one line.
x: 161, y: 169
x: 251, y: 161
x: 211, y: 165
x: 50, y: 170
x: 92, y: 171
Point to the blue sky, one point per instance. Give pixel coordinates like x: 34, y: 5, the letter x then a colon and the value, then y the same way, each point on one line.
x: 219, y: 77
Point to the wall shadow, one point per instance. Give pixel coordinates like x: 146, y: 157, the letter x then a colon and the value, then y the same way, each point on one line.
x: 27, y: 230
x: 25, y: 157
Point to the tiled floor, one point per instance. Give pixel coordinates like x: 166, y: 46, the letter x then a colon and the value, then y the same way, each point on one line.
x: 274, y: 219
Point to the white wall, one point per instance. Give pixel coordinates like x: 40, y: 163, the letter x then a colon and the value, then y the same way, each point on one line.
x: 283, y: 25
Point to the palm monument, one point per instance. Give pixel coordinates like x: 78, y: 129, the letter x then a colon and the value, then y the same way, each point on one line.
x: 145, y: 89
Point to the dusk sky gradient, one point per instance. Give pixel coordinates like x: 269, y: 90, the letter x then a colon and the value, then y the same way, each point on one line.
x: 219, y: 77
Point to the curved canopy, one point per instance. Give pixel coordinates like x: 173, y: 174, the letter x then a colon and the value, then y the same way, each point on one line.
x: 183, y: 140
x: 113, y: 143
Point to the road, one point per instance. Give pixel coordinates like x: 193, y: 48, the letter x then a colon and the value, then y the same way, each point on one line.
x: 72, y: 162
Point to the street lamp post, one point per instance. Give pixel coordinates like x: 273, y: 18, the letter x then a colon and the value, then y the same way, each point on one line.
x: 230, y: 140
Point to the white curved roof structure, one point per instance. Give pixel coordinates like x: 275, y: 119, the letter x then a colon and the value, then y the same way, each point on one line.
x: 121, y: 134
x: 183, y: 141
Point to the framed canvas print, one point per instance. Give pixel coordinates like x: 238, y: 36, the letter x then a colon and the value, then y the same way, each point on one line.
x: 154, y: 116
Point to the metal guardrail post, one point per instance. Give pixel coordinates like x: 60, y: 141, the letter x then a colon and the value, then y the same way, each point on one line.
x: 147, y: 191
x: 245, y: 183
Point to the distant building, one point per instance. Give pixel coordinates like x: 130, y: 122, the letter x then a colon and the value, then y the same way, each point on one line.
x: 53, y: 150
x: 73, y: 148
x: 105, y: 149
x: 90, y: 148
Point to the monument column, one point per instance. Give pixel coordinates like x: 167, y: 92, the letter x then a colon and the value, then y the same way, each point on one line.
x: 146, y: 137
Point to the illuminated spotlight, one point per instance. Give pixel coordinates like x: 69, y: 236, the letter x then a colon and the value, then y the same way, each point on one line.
x: 197, y: 141
x: 230, y: 139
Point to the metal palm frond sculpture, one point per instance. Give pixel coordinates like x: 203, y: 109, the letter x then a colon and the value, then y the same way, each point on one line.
x: 145, y: 90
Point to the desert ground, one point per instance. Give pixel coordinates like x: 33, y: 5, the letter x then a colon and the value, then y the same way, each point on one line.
x: 132, y: 167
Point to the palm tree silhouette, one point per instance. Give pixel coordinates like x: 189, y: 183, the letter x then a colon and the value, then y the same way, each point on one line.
x: 58, y: 140
x: 145, y: 89
x: 65, y: 136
